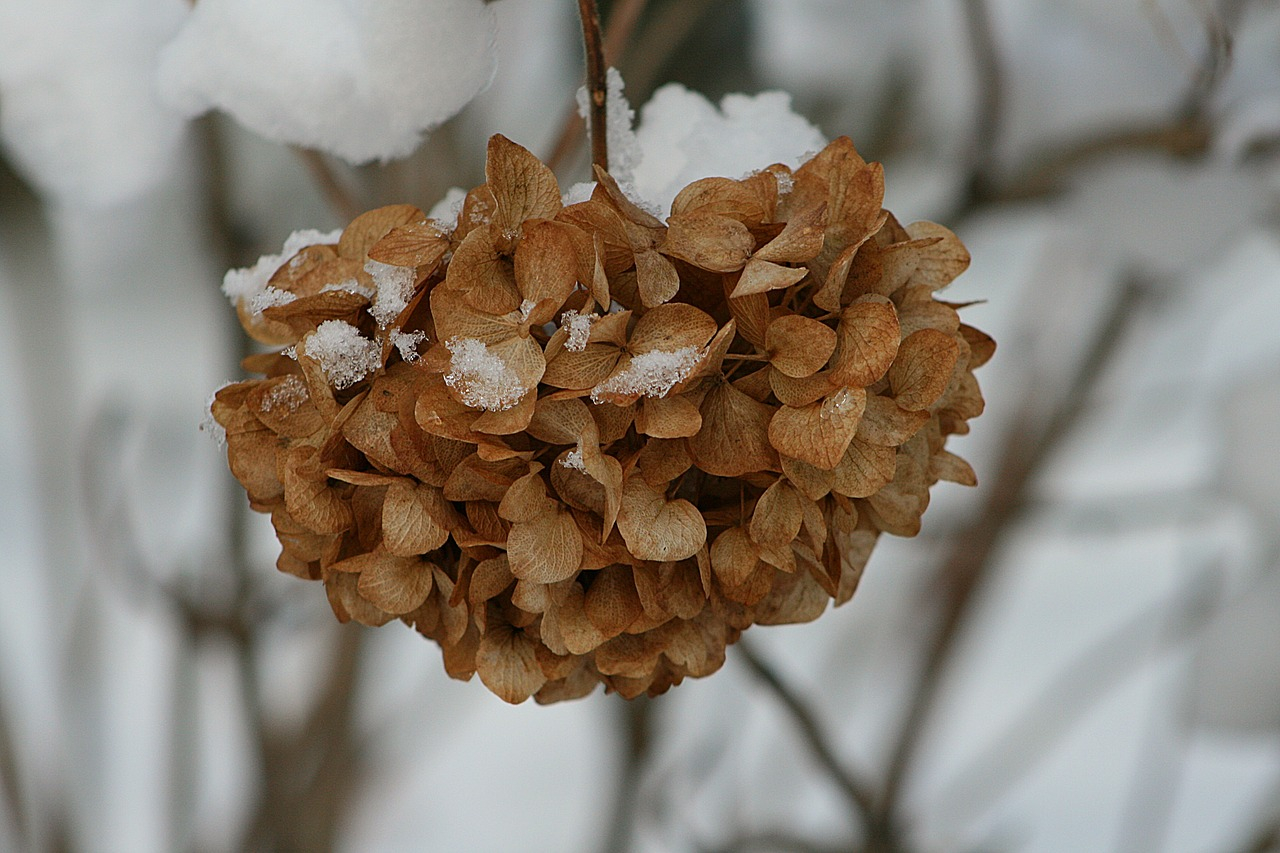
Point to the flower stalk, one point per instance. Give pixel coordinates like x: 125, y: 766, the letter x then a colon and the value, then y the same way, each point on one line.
x: 597, y: 95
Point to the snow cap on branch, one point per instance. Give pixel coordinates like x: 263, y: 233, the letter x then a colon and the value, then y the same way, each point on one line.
x: 357, y: 78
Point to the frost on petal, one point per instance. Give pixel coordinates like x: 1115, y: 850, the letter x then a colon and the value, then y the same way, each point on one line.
x: 208, y: 423
x: 482, y: 378
x: 350, y: 286
x: 289, y: 394
x: 526, y: 308
x: 395, y: 289
x: 684, y: 137
x: 362, y: 80
x: 573, y: 459
x: 249, y: 283
x: 407, y: 343
x: 579, y: 328
x: 343, y: 353
x: 269, y: 297
x: 650, y: 374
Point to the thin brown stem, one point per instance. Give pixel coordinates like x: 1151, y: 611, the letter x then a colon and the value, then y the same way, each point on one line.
x: 338, y: 197
x: 855, y: 790
x: 597, y: 91
x: 636, y: 723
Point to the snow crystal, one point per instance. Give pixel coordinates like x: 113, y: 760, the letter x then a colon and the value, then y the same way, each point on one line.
x: 446, y: 211
x: 840, y: 403
x: 81, y: 118
x: 395, y: 289
x: 407, y: 343
x: 343, y: 353
x: 526, y: 308
x: 208, y: 423
x: 573, y: 459
x: 349, y: 286
x: 579, y: 326
x: 624, y: 151
x: 578, y: 193
x: 290, y: 393
x: 246, y: 284
x: 683, y: 137
x: 362, y: 80
x: 269, y: 298
x: 651, y: 374
x: 786, y: 182
x: 482, y: 378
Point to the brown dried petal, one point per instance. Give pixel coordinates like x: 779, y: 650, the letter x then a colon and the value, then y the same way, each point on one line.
x: 708, y: 241
x: 820, y: 432
x: 612, y: 603
x: 867, y: 342
x: 545, y: 549
x: 799, y: 346
x: 922, y: 369
x: 409, y: 524
x: 656, y: 528
x: 418, y: 244
x: 507, y: 664
x: 760, y: 276
x: 734, y: 438
x: 864, y: 469
x: 370, y: 227
x: 397, y: 585
x: 523, y: 188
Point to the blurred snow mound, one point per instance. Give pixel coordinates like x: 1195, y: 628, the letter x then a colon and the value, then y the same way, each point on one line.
x: 80, y: 117
x: 357, y: 78
x: 683, y: 137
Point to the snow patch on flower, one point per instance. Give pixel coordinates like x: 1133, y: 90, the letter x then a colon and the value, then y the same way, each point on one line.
x: 683, y: 137
x: 578, y: 193
x: 407, y: 343
x: 247, y: 283
x: 579, y: 327
x: 209, y: 424
x: 482, y: 378
x: 395, y: 289
x: 526, y: 308
x: 290, y: 393
x: 343, y: 353
x: 650, y: 374
x: 269, y: 298
x: 573, y: 459
x: 446, y: 211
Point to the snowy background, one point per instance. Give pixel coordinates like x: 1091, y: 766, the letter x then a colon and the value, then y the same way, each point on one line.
x: 1110, y: 676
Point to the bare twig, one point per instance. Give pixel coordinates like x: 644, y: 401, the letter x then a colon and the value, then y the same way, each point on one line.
x: 989, y: 88
x: 969, y: 563
x: 855, y: 790
x: 339, y: 198
x: 597, y: 91
x: 774, y: 842
x: 636, y: 718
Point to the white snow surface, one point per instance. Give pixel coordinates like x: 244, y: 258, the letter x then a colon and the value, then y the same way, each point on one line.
x: 683, y: 137
x: 395, y: 289
x: 94, y: 139
x: 249, y: 284
x: 344, y: 354
x: 481, y: 377
x: 362, y: 79
x: 650, y: 374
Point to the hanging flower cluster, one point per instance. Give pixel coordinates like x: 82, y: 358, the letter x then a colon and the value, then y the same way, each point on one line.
x: 579, y: 445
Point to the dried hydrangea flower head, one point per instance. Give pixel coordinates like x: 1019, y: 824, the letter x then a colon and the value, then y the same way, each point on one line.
x: 579, y: 445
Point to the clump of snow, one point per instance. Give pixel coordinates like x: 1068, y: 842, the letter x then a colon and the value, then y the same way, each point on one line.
x: 81, y: 119
x: 446, y: 211
x: 786, y: 182
x: 343, y: 353
x: 481, y: 377
x: 291, y: 392
x: 573, y: 459
x: 526, y: 308
x: 269, y: 298
x: 650, y: 374
x: 578, y: 193
x: 683, y: 137
x: 407, y: 343
x: 358, y: 78
x: 248, y: 283
x: 395, y: 289
x: 579, y: 326
x: 209, y: 424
